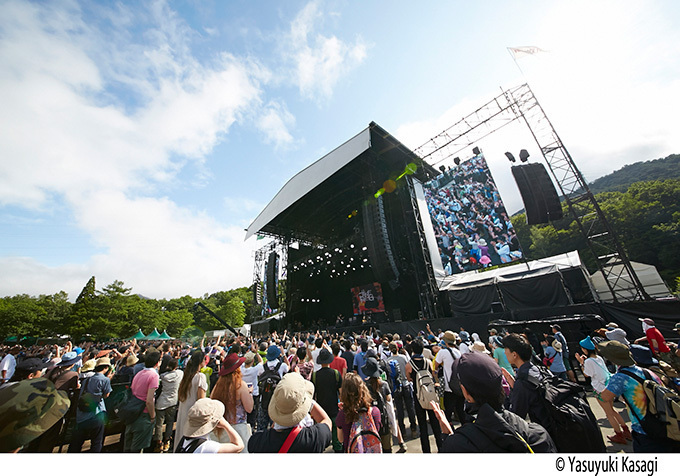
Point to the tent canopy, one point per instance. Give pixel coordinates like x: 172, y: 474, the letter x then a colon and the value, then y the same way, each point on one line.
x: 139, y: 335
x: 647, y: 274
x: 154, y: 335
x: 165, y: 336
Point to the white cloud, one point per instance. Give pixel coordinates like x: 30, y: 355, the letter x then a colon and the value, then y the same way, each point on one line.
x: 274, y: 122
x: 319, y: 61
x: 65, y: 134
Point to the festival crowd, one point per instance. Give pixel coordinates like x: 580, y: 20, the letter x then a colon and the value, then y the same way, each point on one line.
x: 470, y: 223
x: 307, y: 392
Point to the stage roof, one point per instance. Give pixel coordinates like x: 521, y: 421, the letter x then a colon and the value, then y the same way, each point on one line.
x: 315, y: 203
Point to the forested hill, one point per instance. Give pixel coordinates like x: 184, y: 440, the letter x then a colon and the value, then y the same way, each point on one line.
x: 620, y: 180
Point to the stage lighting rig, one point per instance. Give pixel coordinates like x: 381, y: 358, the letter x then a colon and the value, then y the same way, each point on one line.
x: 523, y: 155
x: 510, y: 157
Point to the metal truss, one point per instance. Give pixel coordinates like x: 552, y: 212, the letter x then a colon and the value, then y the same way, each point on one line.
x: 519, y: 103
x: 427, y: 288
x: 261, y: 256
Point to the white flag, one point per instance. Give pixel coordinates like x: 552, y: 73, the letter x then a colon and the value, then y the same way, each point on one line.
x: 519, y: 51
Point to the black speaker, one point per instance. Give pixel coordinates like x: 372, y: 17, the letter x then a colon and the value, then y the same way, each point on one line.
x: 396, y: 314
x: 378, y: 243
x: 541, y: 202
x: 257, y: 292
x: 272, y: 274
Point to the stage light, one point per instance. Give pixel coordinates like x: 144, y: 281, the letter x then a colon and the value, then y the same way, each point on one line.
x: 456, y: 160
x: 328, y: 262
x: 510, y: 157
x: 337, y: 249
x: 365, y: 260
x: 333, y: 271
x: 352, y: 245
x: 364, y: 248
x: 354, y: 269
x: 442, y: 168
x: 348, y: 265
x: 476, y: 151
x: 523, y: 155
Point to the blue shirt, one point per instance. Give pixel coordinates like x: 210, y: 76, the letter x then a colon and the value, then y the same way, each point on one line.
x: 558, y: 363
x: 633, y: 393
x: 98, y: 385
x: 360, y: 361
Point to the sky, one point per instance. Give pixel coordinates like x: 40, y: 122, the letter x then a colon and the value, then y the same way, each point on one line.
x: 138, y: 140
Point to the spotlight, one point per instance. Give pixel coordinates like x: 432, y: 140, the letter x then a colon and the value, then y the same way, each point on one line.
x: 352, y: 245
x: 476, y: 151
x: 510, y: 157
x: 364, y: 248
x: 456, y: 160
x: 442, y: 168
x: 365, y: 260
x: 328, y: 262
x: 523, y: 155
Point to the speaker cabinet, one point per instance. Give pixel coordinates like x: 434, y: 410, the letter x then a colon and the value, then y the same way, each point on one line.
x: 272, y: 276
x: 541, y: 202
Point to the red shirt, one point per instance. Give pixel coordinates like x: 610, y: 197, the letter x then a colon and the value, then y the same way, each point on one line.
x: 339, y: 364
x: 653, y: 333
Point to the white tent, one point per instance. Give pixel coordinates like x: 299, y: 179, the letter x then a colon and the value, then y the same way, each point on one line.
x: 646, y: 273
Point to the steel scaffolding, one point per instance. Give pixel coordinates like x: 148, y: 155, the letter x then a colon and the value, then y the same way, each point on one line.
x: 519, y: 103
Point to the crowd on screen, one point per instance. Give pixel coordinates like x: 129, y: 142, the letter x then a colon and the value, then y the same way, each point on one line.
x: 470, y: 222
x: 307, y: 392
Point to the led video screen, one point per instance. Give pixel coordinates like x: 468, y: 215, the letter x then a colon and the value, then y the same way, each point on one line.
x: 367, y: 299
x: 471, y: 226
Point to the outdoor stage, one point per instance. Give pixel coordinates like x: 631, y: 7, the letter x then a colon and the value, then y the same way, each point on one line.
x: 372, y: 230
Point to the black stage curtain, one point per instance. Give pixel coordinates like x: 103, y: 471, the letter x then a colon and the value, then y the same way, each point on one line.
x: 475, y: 300
x: 664, y: 313
x: 534, y: 293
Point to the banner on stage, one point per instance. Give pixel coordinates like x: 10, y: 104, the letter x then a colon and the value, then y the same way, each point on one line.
x: 367, y: 298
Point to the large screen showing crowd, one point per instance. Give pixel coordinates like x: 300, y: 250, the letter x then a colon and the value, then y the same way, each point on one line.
x: 470, y: 222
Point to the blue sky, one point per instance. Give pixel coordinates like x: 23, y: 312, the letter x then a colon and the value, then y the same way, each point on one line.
x: 139, y: 139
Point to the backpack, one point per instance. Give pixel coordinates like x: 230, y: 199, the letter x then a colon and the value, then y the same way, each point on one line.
x: 267, y: 382
x: 379, y: 401
x: 363, y: 435
x: 454, y: 383
x: 193, y: 446
x: 88, y: 402
x: 394, y: 376
x: 425, y: 387
x: 572, y: 426
x: 662, y: 420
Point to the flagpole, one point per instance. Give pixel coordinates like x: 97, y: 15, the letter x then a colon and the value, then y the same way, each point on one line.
x: 516, y: 63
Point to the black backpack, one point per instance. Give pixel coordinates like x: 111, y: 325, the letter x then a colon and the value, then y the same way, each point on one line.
x: 454, y: 383
x: 572, y: 426
x: 191, y: 447
x: 379, y: 401
x: 267, y: 382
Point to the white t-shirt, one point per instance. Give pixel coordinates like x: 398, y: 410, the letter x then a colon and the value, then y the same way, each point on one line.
x: 464, y: 349
x: 208, y: 446
x: 250, y: 375
x: 446, y: 359
x: 282, y: 370
x: 595, y: 368
x: 9, y: 363
x: 315, y: 354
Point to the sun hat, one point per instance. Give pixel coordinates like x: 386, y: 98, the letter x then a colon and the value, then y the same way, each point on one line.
x: 612, y: 325
x: 68, y: 359
x: 371, y: 368
x: 87, y: 366
x: 131, y: 360
x: 273, y: 352
x: 587, y: 343
x: 450, y: 337
x: 203, y: 417
x: 324, y: 357
x: 647, y: 320
x: 479, y: 373
x: 231, y: 363
x: 102, y: 362
x: 291, y: 400
x: 28, y: 408
x: 616, y: 352
x: 479, y: 347
x: 249, y: 358
x: 556, y: 345
x: 677, y: 327
x: 78, y: 350
x: 482, y: 242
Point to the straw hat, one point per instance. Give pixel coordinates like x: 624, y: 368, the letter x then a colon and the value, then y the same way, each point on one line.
x: 557, y: 346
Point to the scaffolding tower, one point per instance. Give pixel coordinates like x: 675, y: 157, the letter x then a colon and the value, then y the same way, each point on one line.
x: 519, y: 103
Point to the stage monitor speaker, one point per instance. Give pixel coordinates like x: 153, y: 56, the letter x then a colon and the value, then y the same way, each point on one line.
x: 541, y: 202
x: 272, y: 280
x: 378, y: 243
x: 396, y: 315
